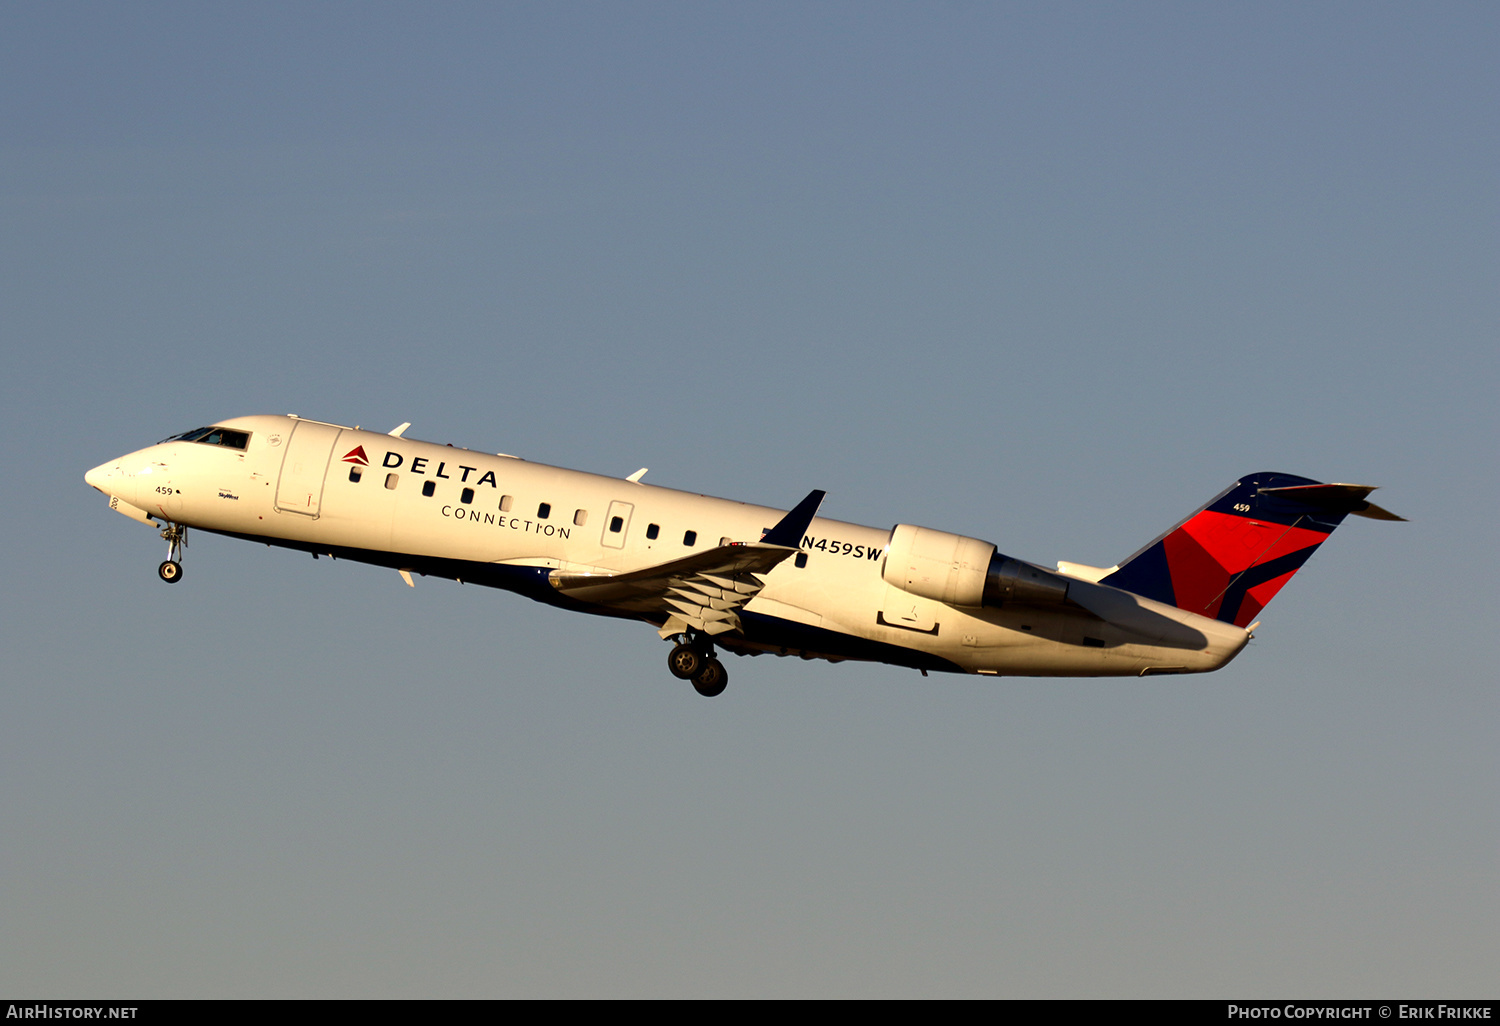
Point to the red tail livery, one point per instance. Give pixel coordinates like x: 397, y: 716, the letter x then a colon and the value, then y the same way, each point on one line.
x: 1230, y: 558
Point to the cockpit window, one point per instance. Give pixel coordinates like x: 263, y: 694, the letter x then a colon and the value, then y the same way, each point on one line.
x: 187, y: 436
x: 227, y: 437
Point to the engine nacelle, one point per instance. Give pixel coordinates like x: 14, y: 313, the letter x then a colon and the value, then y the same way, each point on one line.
x: 1010, y: 580
x: 963, y: 571
x: 937, y: 565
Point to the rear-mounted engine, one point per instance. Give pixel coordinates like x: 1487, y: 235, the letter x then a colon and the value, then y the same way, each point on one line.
x: 965, y: 571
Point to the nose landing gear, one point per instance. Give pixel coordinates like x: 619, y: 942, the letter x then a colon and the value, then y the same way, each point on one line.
x: 175, y: 536
x: 694, y: 660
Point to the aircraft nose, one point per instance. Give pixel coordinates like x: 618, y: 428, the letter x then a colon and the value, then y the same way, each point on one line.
x: 98, y: 477
x: 113, y: 480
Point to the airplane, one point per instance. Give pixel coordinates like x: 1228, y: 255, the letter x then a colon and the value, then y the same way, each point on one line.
x: 714, y: 574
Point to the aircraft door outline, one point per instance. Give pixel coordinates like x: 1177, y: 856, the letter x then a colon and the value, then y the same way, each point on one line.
x: 304, y: 467
x: 615, y: 539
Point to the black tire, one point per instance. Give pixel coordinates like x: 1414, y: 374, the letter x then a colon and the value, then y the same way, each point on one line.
x: 170, y: 571
x: 685, y: 662
x: 712, y: 679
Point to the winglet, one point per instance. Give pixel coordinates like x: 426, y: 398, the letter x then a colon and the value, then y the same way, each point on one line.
x: 790, y: 529
x: 397, y: 432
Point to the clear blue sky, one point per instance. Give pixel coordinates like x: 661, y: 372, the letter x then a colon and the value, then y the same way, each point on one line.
x: 1048, y: 274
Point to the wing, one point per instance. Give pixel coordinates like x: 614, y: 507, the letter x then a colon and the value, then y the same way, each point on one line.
x: 703, y: 591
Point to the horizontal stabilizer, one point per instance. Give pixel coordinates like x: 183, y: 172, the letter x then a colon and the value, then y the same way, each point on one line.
x: 1341, y: 498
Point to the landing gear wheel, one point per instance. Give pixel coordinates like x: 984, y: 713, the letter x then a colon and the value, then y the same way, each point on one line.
x: 712, y: 679
x: 175, y: 535
x: 685, y: 662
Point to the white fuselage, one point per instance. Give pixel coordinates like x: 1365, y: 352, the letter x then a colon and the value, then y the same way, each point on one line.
x: 502, y: 521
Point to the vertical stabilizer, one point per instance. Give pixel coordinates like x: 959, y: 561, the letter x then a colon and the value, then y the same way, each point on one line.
x: 1229, y: 559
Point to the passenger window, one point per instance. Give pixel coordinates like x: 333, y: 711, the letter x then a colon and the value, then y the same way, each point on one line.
x: 653, y: 531
x: 354, y: 474
x: 505, y: 501
x: 428, y: 487
x: 616, y: 524
x: 544, y: 511
x: 690, y: 538
x: 580, y: 517
x: 801, y: 560
x: 467, y: 495
x: 391, y: 479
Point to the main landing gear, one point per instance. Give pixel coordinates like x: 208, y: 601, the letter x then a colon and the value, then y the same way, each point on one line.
x: 175, y: 536
x: 694, y: 660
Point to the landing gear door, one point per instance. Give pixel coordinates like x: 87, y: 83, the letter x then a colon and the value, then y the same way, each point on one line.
x: 616, y: 524
x: 304, y: 466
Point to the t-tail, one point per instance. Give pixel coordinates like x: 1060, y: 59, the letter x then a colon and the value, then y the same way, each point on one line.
x: 1229, y: 559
